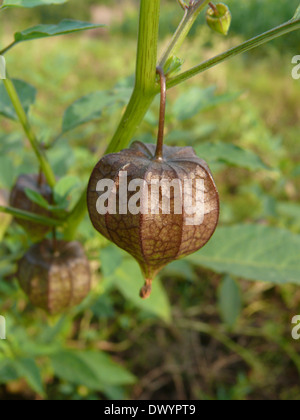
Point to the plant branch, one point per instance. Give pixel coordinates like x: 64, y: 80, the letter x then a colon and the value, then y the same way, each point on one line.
x: 145, y: 83
x: 2, y: 52
x: 45, y: 166
x: 190, y: 15
x: 32, y: 217
x: 286, y: 28
x: 75, y: 217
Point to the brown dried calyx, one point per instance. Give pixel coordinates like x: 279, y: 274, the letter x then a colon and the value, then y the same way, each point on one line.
x: 154, y: 240
x: 55, y: 280
x: 19, y: 200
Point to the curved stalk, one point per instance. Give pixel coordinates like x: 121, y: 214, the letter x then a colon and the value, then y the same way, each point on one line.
x: 162, y: 114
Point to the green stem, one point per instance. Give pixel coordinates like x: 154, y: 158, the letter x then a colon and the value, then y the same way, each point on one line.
x: 46, y: 168
x: 189, y: 18
x: 246, y: 46
x: 75, y: 217
x: 132, y: 118
x: 145, y: 81
x: 141, y: 99
x: 2, y: 52
x: 32, y: 217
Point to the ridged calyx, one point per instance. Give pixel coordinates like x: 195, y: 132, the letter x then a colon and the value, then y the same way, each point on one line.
x: 55, y: 280
x: 218, y: 18
x: 154, y: 240
x: 19, y: 200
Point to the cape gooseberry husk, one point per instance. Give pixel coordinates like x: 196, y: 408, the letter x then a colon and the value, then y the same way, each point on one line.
x: 19, y: 200
x: 55, y: 280
x: 219, y: 18
x: 154, y: 240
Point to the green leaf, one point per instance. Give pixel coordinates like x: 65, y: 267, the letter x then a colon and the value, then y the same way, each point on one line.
x: 7, y: 372
x: 107, y: 371
x: 195, y: 100
x: 253, y: 252
x: 66, y: 26
x: 69, y: 366
x: 229, y: 154
x: 91, y: 107
x: 111, y: 258
x: 27, y: 369
x: 129, y: 280
x: 230, y: 303
x: 30, y: 3
x: 96, y: 370
x: 297, y: 14
x: 37, y: 198
x: 64, y: 187
x: 27, y: 95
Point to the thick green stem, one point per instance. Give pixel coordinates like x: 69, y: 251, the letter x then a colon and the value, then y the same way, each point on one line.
x: 32, y: 217
x: 132, y: 118
x: 189, y: 18
x: 141, y: 99
x: 45, y: 166
x: 145, y: 80
x: 286, y: 28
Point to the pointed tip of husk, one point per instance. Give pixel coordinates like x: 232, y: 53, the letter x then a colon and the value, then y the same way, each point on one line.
x: 146, y: 290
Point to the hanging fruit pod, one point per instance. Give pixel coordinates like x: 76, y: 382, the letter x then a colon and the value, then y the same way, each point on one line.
x: 161, y: 203
x: 19, y: 200
x: 55, y: 276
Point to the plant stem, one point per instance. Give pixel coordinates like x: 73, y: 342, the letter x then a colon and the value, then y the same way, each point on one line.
x: 182, y: 4
x: 212, y: 6
x: 32, y: 217
x: 2, y: 52
x: 244, y: 47
x: 75, y: 217
x: 45, y: 166
x: 132, y: 118
x: 190, y: 15
x: 145, y: 81
x: 141, y: 99
x: 162, y: 114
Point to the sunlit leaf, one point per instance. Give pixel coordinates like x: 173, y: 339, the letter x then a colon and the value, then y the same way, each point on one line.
x: 66, y: 26
x: 30, y: 3
x: 230, y: 154
x: 91, y: 107
x: 253, y: 252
